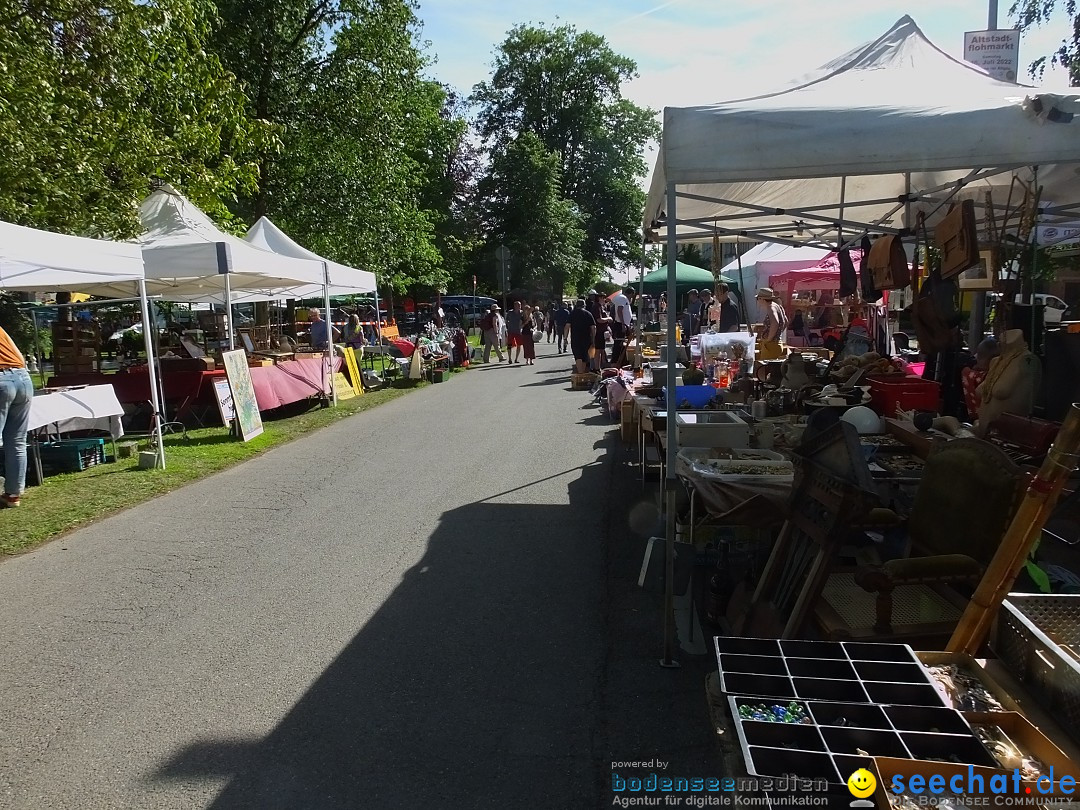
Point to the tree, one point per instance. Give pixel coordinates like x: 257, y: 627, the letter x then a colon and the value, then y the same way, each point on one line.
x: 341, y: 81
x: 1034, y: 13
x: 98, y: 100
x: 565, y: 88
x: 690, y: 253
x: 524, y: 210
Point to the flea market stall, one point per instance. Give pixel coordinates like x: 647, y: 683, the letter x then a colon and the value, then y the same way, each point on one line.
x: 39, y: 261
x: 188, y: 258
x: 817, y: 670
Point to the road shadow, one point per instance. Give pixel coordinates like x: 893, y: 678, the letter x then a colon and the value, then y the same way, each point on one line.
x: 497, y: 674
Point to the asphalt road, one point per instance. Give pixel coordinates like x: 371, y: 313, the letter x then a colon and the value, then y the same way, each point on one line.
x: 431, y: 604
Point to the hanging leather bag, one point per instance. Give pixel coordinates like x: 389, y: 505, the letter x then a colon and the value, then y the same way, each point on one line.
x: 933, y: 312
x: 957, y: 239
x: 888, y: 264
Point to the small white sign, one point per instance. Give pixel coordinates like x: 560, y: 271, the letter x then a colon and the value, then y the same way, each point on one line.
x: 996, y: 52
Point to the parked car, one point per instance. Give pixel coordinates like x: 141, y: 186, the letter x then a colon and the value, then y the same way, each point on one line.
x: 1054, y: 309
x: 466, y: 310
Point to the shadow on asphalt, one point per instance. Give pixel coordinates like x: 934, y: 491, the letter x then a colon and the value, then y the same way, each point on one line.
x: 513, y: 664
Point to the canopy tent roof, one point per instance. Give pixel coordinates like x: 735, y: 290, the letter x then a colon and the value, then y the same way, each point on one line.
x: 688, y: 274
x: 769, y: 258
x: 32, y: 260
x: 187, y: 256
x: 838, y: 150
x: 343, y: 279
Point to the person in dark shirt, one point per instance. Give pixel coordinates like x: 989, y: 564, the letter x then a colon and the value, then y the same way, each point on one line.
x: 562, y: 318
x: 729, y: 313
x: 582, y: 330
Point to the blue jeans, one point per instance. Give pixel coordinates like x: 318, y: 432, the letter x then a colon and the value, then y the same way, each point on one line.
x: 16, y: 391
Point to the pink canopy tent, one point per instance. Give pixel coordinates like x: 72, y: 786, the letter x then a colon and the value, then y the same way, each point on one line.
x: 825, y: 275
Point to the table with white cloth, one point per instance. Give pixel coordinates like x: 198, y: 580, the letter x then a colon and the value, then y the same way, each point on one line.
x: 92, y: 407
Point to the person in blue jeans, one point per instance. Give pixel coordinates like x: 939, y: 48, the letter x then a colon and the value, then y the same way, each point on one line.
x: 16, y: 391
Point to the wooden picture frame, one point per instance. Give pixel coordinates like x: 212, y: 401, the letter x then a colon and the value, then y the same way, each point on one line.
x: 979, y: 277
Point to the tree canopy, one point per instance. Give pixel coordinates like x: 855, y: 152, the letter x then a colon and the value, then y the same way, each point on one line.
x: 99, y: 99
x: 564, y: 87
x: 1029, y: 14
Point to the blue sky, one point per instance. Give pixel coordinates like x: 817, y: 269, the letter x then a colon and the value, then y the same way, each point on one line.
x: 703, y: 51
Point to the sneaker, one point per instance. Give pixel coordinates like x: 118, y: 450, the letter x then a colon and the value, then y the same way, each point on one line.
x: 9, y: 501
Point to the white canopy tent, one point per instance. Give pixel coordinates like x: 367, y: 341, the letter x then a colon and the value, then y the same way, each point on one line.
x: 40, y: 261
x: 338, y: 279
x: 768, y: 259
x: 188, y: 258
x: 859, y: 146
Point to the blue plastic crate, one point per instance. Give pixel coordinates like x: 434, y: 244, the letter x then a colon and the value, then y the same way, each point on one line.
x: 697, y: 395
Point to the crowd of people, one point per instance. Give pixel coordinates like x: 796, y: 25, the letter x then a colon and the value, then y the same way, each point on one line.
x: 590, y: 326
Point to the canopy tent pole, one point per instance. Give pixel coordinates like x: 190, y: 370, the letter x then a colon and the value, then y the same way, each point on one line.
x: 638, y: 356
x: 228, y: 313
x: 148, y: 327
x: 329, y: 335
x: 742, y: 284
x: 40, y: 359
x: 670, y: 482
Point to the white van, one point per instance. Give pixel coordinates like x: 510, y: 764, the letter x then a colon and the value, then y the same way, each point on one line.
x: 1054, y: 306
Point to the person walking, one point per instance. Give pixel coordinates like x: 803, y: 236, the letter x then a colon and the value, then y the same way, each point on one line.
x: 549, y: 321
x: 562, y: 318
x: 528, y: 342
x: 16, y: 392
x: 493, y: 325
x: 513, y: 333
x: 621, y: 326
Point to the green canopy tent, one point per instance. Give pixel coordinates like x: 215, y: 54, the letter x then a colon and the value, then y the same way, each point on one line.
x: 687, y: 277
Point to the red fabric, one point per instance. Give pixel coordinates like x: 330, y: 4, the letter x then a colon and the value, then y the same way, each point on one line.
x: 406, y: 346
x: 514, y: 339
x: 281, y: 384
x: 972, y: 378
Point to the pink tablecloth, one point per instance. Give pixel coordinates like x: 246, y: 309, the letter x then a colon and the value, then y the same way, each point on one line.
x: 291, y: 381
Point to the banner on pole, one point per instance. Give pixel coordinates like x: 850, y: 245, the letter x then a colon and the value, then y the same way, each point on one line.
x: 996, y: 52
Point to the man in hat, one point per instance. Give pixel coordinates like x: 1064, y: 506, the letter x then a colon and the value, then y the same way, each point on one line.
x: 773, y: 324
x: 493, y: 326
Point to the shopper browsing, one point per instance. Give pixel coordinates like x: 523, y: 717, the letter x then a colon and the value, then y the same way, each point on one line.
x: 16, y: 392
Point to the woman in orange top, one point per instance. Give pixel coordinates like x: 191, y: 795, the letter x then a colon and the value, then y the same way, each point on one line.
x: 16, y: 391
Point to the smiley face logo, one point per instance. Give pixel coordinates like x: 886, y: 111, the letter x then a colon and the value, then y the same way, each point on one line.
x: 861, y: 783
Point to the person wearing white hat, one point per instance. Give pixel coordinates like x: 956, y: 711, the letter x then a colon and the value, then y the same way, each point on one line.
x: 774, y: 323
x: 494, y: 327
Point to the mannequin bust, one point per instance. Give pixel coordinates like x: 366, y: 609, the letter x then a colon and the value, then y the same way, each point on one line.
x: 1011, y: 382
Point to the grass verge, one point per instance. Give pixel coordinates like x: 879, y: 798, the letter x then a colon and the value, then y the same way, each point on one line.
x: 66, y: 502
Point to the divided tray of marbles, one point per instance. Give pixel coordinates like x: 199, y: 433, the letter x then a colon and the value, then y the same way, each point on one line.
x: 822, y: 710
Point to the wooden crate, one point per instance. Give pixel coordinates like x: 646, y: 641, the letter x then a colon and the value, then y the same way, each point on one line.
x: 583, y: 382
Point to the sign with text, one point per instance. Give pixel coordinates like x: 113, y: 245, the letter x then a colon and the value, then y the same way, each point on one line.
x: 996, y: 52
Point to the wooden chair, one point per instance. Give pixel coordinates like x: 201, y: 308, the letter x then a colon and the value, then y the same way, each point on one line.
x: 966, y: 499
x: 832, y: 489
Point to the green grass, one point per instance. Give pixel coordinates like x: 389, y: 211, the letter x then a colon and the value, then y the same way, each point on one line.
x: 65, y: 502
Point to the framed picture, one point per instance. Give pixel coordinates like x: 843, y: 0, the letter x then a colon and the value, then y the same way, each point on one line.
x: 980, y: 276
x: 193, y: 349
x: 243, y: 393
x: 245, y: 338
x: 223, y: 395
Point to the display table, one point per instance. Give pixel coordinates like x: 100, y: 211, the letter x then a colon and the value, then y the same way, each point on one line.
x: 191, y: 392
x: 93, y: 407
x: 758, y: 503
